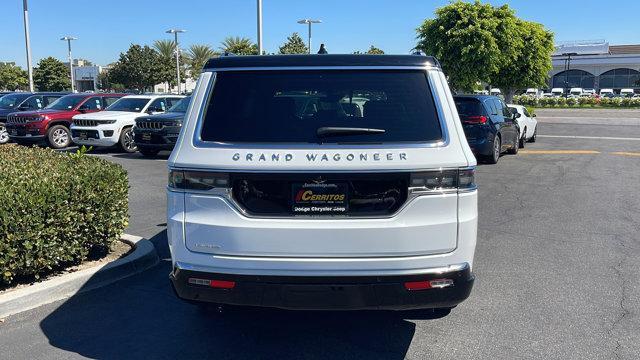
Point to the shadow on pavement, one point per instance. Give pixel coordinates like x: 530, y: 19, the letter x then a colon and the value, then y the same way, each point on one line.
x: 141, y: 318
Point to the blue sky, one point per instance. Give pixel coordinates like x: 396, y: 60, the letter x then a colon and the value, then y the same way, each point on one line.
x: 106, y: 28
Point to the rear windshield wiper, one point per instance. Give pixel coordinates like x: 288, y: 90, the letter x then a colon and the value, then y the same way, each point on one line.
x: 340, y: 131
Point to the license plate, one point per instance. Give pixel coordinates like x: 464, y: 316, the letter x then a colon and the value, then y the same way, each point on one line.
x: 320, y: 198
x: 146, y: 137
x: 82, y: 135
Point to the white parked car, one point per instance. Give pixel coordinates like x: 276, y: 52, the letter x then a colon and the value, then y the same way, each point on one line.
x: 270, y: 205
x: 576, y: 92
x: 627, y: 92
x: 527, y: 123
x: 557, y: 92
x: 113, y: 126
x: 606, y: 93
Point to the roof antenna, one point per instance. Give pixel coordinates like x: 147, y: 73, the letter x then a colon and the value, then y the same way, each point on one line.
x: 322, y: 50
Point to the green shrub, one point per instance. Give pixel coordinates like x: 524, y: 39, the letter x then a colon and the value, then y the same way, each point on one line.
x: 56, y: 209
x: 571, y: 101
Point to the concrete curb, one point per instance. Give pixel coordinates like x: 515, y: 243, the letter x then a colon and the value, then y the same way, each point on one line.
x: 141, y: 258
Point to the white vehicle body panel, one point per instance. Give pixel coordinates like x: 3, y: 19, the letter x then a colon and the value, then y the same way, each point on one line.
x: 207, y: 232
x: 526, y: 123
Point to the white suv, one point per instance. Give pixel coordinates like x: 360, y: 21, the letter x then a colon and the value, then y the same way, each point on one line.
x: 114, y: 125
x: 322, y: 182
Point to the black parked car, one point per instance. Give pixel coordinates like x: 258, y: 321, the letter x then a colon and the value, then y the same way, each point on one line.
x: 490, y: 126
x: 153, y: 133
x: 22, y: 101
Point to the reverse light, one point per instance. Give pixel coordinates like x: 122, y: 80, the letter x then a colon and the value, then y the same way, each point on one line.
x: 197, y: 180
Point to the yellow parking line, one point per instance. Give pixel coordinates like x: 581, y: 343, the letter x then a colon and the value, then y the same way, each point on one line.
x: 623, y: 153
x: 559, y: 152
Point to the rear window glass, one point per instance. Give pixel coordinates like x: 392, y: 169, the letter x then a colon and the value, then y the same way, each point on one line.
x: 290, y: 107
x: 469, y: 107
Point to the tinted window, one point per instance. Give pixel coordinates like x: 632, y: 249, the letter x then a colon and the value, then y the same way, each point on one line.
x: 94, y: 103
x: 65, y: 103
x: 492, y: 106
x: 129, y: 104
x: 109, y: 100
x: 180, y: 106
x: 33, y: 103
x: 171, y: 101
x: 469, y: 107
x: 12, y: 100
x: 50, y: 99
x: 159, y: 105
x: 290, y: 106
x: 526, y: 113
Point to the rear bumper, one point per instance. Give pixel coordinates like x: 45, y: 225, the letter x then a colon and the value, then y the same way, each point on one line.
x: 481, y: 146
x: 329, y: 292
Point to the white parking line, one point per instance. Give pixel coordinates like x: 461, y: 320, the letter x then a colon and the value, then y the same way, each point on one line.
x: 588, y: 137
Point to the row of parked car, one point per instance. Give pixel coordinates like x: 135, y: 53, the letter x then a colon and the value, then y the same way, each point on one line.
x: 493, y: 127
x: 152, y: 123
x: 145, y: 123
x: 582, y: 92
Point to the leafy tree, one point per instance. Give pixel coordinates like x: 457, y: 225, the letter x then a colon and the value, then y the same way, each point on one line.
x: 473, y: 41
x: 13, y: 77
x: 532, y: 63
x: 51, y: 75
x: 139, y: 68
x: 239, y: 46
x: 166, y: 50
x: 372, y: 51
x: 197, y: 56
x: 105, y: 82
x: 294, y: 45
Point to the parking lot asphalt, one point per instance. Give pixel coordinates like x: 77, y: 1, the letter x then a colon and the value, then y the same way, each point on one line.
x: 556, y: 267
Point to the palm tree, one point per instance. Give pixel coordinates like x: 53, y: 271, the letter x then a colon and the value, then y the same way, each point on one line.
x: 197, y: 56
x: 239, y: 46
x: 166, y: 48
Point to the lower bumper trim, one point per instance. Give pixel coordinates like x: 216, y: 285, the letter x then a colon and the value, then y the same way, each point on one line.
x: 326, y: 292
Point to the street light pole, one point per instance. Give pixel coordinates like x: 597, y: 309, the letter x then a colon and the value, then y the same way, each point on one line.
x: 27, y: 41
x: 259, y: 27
x: 68, y: 40
x: 309, y: 22
x: 175, y: 33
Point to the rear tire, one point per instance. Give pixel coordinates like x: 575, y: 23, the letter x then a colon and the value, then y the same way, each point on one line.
x: 126, y: 141
x: 4, y: 135
x: 533, y: 137
x: 523, y: 139
x: 497, y: 150
x: 515, y: 148
x: 58, y: 137
x: 148, y: 152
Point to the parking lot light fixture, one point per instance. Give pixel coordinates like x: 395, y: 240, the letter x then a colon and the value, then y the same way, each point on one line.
x: 27, y: 41
x: 68, y: 39
x: 309, y: 22
x: 175, y: 33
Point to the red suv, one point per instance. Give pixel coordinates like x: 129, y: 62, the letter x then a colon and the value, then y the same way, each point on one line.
x: 52, y: 123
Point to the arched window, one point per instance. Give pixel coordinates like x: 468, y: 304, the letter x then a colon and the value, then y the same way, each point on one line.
x: 620, y: 78
x: 573, y: 78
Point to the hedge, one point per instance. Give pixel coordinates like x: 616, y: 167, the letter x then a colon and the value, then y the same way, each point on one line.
x: 581, y: 102
x: 56, y: 209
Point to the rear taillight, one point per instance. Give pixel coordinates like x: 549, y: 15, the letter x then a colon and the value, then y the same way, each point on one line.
x: 428, y: 284
x: 442, y: 180
x: 197, y: 180
x: 474, y: 120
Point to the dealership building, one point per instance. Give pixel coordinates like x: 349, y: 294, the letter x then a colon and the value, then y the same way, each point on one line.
x: 595, y: 65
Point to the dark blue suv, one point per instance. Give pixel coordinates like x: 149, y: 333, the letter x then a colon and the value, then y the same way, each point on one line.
x: 490, y: 126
